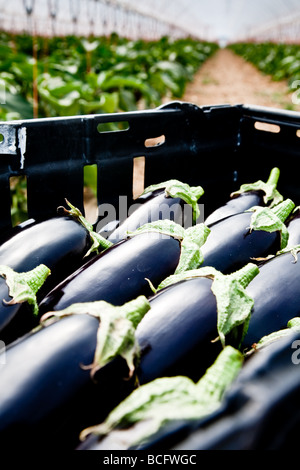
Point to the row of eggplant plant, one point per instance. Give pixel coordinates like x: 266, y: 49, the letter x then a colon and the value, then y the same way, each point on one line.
x: 111, y: 340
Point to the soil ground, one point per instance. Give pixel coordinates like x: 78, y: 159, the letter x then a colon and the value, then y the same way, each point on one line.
x: 225, y: 78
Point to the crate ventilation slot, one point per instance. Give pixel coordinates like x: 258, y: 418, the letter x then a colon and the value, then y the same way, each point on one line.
x: 138, y: 184
x: 155, y: 141
x: 267, y: 127
x: 115, y: 126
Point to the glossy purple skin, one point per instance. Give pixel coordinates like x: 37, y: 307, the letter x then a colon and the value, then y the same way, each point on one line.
x: 176, y: 334
x: 235, y: 205
x: 60, y: 243
x: 118, y: 274
x: 230, y: 245
x: 49, y: 393
x: 293, y: 226
x: 156, y: 206
x: 276, y: 295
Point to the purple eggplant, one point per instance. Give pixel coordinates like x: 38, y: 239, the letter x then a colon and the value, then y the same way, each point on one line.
x: 60, y: 243
x: 120, y: 273
x: 260, y: 412
x: 233, y: 242
x: 177, y: 336
x: 11, y: 232
x: 293, y: 226
x: 161, y: 201
x: 275, y: 294
x: 164, y: 403
x: 249, y: 195
x: 47, y: 386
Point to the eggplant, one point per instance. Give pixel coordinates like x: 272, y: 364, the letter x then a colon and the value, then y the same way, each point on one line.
x: 12, y: 231
x: 181, y: 327
x: 61, y: 244
x: 233, y: 241
x: 249, y: 195
x: 160, y: 347
x: 260, y: 412
x: 150, y: 408
x: 120, y: 273
x: 275, y: 292
x: 293, y: 227
x: 154, y: 347
x: 161, y: 201
x: 47, y: 387
x: 52, y: 393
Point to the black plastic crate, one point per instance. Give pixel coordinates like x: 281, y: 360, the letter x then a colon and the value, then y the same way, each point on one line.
x: 217, y: 147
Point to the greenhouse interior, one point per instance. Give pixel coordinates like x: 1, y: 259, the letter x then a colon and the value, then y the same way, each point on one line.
x: 171, y: 129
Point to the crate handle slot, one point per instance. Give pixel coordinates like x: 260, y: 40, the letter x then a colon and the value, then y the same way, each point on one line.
x: 18, y: 195
x: 112, y: 126
x: 155, y: 141
x: 90, y: 199
x: 138, y: 184
x: 267, y: 127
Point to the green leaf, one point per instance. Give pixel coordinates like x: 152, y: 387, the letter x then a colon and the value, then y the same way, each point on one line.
x: 89, y: 46
x: 16, y: 103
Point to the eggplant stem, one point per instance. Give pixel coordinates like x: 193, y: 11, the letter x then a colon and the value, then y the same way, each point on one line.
x: 246, y: 274
x: 274, y: 177
x: 284, y: 209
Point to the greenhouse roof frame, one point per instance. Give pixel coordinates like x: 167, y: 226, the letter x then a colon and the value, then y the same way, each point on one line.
x: 214, y: 20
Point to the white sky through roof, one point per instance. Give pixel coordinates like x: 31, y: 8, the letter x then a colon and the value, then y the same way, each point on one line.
x: 231, y: 20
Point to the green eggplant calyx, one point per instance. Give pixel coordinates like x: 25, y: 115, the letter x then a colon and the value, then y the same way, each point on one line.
x: 24, y: 286
x: 162, y: 400
x: 234, y: 305
x: 272, y: 197
x: 116, y: 332
x: 99, y: 243
x: 293, y: 326
x: 165, y: 227
x: 272, y: 220
x: 191, y: 240
x: 177, y: 189
x: 191, y: 256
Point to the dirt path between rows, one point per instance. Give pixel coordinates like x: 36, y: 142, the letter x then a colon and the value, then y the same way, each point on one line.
x: 227, y: 78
